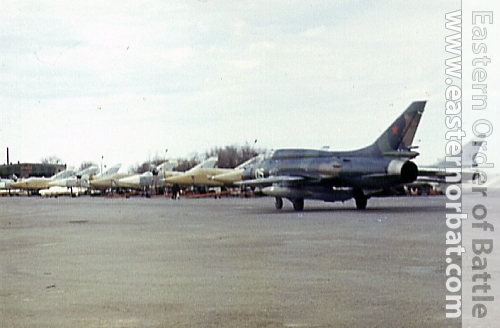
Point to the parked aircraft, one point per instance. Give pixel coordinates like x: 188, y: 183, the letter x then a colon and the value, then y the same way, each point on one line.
x: 76, y: 179
x: 107, y: 179
x: 154, y: 177
x: 230, y: 177
x: 434, y: 176
x: 36, y: 183
x: 5, y: 183
x: 106, y: 173
x: 5, y: 188
x: 57, y: 191
x: 373, y: 171
x: 200, y: 175
x: 73, y: 185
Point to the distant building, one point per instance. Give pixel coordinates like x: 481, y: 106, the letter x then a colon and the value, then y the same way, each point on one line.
x: 24, y: 170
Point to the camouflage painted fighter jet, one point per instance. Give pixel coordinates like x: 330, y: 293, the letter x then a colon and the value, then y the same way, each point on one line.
x: 373, y: 171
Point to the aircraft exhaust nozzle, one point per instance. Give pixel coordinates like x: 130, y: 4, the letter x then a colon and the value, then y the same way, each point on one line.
x: 407, y: 170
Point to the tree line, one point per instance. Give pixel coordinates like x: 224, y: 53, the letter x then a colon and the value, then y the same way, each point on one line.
x: 228, y: 157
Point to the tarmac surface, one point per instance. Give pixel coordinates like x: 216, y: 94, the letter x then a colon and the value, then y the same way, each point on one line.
x: 138, y: 262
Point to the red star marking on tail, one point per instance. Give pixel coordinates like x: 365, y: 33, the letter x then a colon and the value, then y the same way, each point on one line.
x: 395, y: 129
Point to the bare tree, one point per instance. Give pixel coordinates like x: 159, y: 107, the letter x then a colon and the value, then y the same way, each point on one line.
x: 228, y: 157
x: 85, y: 165
x: 51, y: 160
x: 232, y: 156
x: 186, y: 164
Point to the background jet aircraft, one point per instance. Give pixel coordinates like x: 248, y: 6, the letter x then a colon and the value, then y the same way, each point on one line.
x: 200, y: 175
x: 434, y: 176
x: 233, y: 175
x: 107, y: 179
x: 76, y: 179
x: 151, y: 178
x: 5, y: 183
x: 57, y: 191
x: 373, y: 171
x: 5, y: 188
x: 73, y: 185
x: 106, y: 173
x: 35, y: 183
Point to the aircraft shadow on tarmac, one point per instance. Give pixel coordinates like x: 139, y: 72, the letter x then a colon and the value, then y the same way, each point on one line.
x: 389, y: 209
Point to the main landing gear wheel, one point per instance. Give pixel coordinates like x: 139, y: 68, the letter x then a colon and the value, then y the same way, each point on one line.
x: 361, y: 203
x: 278, y: 203
x: 298, y: 204
x: 361, y: 199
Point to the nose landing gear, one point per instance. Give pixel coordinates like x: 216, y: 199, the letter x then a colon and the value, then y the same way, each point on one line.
x: 278, y: 203
x: 298, y: 204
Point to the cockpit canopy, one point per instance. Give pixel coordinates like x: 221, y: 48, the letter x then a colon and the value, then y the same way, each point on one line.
x: 297, y: 153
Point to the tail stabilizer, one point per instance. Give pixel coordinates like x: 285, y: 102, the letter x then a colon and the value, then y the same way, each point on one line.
x: 469, y: 153
x: 167, y: 166
x: 209, y: 163
x: 399, y: 135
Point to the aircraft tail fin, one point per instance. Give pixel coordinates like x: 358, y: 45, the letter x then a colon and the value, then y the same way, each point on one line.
x: 469, y: 152
x: 399, y: 135
x: 168, y: 165
x: 209, y: 163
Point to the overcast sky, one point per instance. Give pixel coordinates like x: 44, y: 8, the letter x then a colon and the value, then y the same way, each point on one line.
x: 127, y: 80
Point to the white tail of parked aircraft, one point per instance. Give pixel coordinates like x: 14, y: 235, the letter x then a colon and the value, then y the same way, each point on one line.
x: 35, y: 183
x: 76, y: 179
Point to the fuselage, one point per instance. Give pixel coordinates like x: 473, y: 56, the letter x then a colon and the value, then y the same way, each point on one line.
x: 197, y: 177
x: 108, y: 181
x: 36, y: 183
x: 336, y: 169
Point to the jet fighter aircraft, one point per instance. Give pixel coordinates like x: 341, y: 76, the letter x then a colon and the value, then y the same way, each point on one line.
x: 373, y: 171
x: 76, y: 180
x: 200, y: 175
x: 5, y: 183
x: 107, y: 179
x: 434, y: 176
x: 107, y: 173
x: 35, y: 184
x: 149, y: 179
x: 5, y: 188
x: 228, y: 178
